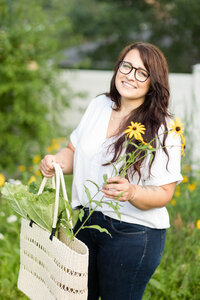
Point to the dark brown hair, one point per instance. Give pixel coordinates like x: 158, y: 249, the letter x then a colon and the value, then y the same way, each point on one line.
x: 154, y: 110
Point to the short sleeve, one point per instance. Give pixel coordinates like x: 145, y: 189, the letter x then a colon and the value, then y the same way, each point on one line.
x: 164, y: 171
x: 76, y: 133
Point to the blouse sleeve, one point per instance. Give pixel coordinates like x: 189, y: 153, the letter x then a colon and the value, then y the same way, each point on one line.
x: 76, y: 133
x: 164, y: 171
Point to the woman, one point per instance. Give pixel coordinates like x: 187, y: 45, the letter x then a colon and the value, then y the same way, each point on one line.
x: 120, y: 266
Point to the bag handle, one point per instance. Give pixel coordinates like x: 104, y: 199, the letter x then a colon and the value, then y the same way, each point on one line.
x: 59, y: 179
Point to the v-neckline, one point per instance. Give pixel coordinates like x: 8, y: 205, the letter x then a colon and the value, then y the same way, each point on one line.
x: 108, y: 122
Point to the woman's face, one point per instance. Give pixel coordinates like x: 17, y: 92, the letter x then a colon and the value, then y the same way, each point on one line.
x: 128, y: 86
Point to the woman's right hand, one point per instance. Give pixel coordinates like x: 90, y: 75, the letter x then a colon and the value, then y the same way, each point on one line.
x: 46, y: 166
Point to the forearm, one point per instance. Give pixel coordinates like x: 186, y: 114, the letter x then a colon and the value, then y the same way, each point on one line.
x: 147, y: 197
x: 142, y: 197
x: 66, y: 156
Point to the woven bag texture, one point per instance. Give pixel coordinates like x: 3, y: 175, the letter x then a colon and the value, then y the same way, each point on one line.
x: 51, y: 270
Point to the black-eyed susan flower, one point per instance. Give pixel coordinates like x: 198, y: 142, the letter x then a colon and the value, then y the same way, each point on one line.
x: 36, y: 159
x: 135, y: 129
x: 191, y: 187
x: 21, y: 168
x: 177, y: 127
x: 32, y: 179
x: 185, y: 179
x: 183, y: 146
x: 2, y: 180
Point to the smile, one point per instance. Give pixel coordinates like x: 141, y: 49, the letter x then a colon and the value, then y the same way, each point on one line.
x: 126, y: 84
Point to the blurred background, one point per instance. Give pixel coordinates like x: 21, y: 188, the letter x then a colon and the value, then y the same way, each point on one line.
x: 55, y: 56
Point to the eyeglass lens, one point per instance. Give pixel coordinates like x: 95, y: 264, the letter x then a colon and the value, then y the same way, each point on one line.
x: 126, y: 68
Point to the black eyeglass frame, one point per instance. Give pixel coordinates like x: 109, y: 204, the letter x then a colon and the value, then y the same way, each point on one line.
x: 123, y: 61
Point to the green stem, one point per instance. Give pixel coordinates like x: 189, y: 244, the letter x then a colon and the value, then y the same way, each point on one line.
x: 91, y: 212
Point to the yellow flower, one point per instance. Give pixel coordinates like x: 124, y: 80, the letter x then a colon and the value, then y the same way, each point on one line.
x: 177, y: 191
x: 36, y: 159
x: 185, y: 179
x: 198, y: 224
x: 32, y: 179
x: 183, y: 146
x: 173, y: 202
x: 37, y: 173
x: 56, y: 146
x: 136, y: 130
x: 2, y: 180
x: 22, y: 168
x: 177, y: 127
x: 187, y: 168
x: 191, y: 187
x: 49, y: 149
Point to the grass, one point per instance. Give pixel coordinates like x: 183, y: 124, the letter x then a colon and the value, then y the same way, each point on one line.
x: 177, y: 277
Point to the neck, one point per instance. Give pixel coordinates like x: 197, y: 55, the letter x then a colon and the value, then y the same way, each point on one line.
x: 128, y: 105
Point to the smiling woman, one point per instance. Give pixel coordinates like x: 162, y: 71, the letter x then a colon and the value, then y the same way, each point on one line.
x: 120, y: 267
x: 132, y: 82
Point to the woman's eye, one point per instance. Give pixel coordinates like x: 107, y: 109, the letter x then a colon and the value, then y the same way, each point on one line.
x: 142, y: 73
x: 127, y: 66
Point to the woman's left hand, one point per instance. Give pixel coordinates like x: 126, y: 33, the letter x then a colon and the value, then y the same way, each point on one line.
x: 118, y: 189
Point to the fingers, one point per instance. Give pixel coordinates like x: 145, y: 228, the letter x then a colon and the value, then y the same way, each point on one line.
x: 116, y: 183
x: 116, y: 195
x: 117, y: 188
x: 116, y: 179
x: 46, y: 166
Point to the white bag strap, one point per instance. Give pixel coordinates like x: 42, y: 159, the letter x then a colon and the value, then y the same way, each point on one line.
x: 59, y: 178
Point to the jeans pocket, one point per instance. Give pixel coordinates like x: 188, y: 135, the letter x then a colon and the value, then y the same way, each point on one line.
x: 125, y: 228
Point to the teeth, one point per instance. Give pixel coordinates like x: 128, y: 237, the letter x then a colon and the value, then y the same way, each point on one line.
x: 129, y: 85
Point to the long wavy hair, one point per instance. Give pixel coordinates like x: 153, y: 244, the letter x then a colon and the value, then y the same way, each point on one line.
x: 152, y: 113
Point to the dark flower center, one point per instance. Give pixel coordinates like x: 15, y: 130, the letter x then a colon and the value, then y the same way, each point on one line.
x: 178, y: 128
x: 134, y: 128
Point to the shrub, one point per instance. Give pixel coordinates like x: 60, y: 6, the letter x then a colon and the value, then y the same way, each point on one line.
x: 30, y: 90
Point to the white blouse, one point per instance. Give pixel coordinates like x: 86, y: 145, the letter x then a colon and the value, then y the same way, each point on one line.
x: 91, y: 151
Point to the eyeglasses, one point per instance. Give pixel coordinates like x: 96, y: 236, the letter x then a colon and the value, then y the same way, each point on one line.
x: 139, y: 74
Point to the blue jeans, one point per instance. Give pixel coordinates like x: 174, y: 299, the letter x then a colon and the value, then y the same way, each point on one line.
x: 120, y: 266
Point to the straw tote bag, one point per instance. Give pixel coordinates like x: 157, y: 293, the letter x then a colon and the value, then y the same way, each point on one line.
x: 49, y: 268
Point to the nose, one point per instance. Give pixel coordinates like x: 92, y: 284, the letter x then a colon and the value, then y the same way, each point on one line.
x: 131, y: 75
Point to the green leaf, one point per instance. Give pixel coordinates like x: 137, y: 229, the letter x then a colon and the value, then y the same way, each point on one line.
x: 156, y: 284
x: 88, y: 193
x: 33, y: 188
x: 81, y: 214
x: 98, y: 188
x: 68, y: 231
x: 115, y: 206
x: 105, y: 177
x: 98, y: 203
x: 116, y: 171
x: 151, y: 158
x: 98, y: 228
x: 119, y: 196
x: 39, y: 208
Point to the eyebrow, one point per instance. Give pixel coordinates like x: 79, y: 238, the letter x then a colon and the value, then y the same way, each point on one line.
x: 134, y: 66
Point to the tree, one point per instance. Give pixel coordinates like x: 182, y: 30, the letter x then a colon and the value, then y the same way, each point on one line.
x: 30, y: 90
x: 111, y: 24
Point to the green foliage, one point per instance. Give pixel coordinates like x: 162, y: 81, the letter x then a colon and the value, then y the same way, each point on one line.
x: 30, y: 91
x: 110, y: 25
x: 29, y: 205
x: 178, y: 275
